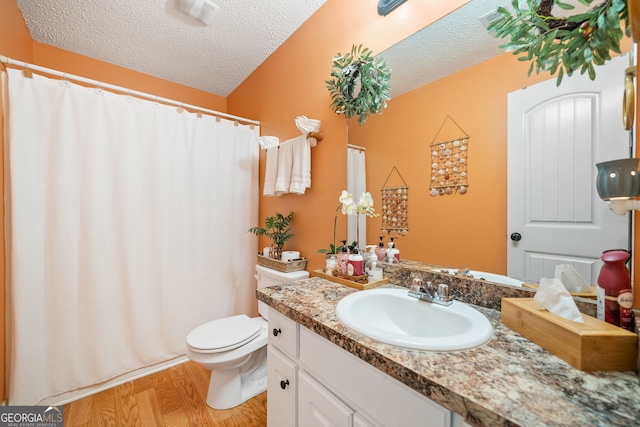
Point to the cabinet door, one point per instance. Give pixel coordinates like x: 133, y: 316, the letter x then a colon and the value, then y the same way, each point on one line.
x: 281, y: 389
x: 318, y: 407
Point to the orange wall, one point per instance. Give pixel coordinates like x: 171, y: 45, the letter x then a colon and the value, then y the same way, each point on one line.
x: 62, y: 60
x: 459, y: 230
x: 291, y: 83
x: 444, y: 230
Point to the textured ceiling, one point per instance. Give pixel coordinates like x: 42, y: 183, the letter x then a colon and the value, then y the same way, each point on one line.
x: 453, y: 43
x: 151, y: 37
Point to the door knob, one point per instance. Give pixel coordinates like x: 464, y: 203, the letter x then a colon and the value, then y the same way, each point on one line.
x: 516, y: 237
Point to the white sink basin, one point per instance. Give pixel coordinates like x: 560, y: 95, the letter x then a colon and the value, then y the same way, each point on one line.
x: 392, y: 317
x: 483, y: 275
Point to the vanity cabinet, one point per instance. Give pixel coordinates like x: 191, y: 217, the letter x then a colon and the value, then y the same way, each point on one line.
x: 314, y: 382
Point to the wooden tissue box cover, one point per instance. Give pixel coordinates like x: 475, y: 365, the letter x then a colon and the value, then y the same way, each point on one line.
x: 590, y: 346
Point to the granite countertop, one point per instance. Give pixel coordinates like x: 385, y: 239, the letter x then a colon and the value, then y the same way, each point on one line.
x: 509, y: 381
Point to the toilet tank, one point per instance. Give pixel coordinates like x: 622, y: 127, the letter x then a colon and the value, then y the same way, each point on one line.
x: 269, y: 277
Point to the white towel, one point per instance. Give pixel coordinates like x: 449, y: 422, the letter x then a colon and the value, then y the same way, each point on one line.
x: 267, y: 142
x: 301, y: 169
x: 285, y: 164
x: 306, y: 125
x: 271, y: 171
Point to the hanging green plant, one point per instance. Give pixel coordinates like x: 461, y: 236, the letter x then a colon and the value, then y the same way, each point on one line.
x: 562, y: 45
x: 360, y: 84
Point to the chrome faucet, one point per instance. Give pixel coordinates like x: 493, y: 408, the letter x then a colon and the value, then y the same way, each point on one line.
x: 430, y: 294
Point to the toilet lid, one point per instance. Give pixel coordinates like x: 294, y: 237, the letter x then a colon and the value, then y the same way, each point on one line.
x: 224, y: 334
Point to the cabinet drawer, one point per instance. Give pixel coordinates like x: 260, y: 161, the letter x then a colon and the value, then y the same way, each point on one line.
x: 282, y: 386
x: 283, y: 333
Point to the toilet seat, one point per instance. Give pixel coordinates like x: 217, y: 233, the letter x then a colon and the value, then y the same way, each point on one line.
x: 223, y: 334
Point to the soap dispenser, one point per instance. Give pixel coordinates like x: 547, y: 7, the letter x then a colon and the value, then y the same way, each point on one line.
x: 355, y: 265
x: 343, y: 258
x: 370, y: 253
x: 381, y: 252
x: 391, y: 255
x: 372, y: 266
x: 397, y: 251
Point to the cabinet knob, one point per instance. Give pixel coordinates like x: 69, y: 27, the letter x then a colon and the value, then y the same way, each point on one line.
x: 284, y: 384
x: 516, y: 237
x: 276, y: 332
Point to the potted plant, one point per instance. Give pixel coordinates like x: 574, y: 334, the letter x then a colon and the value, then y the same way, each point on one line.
x: 277, y: 229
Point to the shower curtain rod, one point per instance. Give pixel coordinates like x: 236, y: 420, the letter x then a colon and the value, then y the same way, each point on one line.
x: 102, y: 85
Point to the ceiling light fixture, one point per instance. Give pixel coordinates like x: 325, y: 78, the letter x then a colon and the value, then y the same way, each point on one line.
x: 204, y: 11
x: 385, y: 7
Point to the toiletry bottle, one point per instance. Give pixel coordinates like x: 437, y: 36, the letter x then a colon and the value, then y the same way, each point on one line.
x: 373, y: 267
x: 380, y: 250
x: 331, y: 264
x: 615, y: 298
x: 370, y: 254
x: 391, y: 255
x: 343, y: 258
x: 355, y: 265
x: 397, y: 251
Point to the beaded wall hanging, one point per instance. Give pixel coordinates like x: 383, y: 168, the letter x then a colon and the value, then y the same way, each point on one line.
x: 449, y: 164
x: 395, y: 207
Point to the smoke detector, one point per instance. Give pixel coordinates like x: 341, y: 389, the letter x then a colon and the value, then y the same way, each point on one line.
x: 204, y: 11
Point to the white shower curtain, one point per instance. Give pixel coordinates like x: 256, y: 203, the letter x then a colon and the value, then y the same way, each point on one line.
x: 356, y: 185
x: 127, y: 228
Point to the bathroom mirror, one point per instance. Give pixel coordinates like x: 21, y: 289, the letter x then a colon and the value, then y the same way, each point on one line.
x: 452, y: 231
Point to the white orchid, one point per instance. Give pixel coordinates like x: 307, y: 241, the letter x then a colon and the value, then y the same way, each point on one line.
x: 364, y: 205
x: 348, y: 205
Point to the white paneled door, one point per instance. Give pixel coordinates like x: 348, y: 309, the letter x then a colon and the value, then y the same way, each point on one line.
x: 556, y: 137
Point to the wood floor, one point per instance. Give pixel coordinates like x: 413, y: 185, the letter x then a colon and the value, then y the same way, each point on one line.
x: 173, y: 397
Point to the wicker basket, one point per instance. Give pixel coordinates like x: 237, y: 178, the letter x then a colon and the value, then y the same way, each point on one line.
x: 284, y: 266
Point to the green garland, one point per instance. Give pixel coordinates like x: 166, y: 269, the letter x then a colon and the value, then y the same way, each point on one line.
x: 360, y: 85
x: 563, y: 44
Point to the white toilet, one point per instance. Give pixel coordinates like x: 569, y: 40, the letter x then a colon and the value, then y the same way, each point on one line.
x: 235, y: 348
